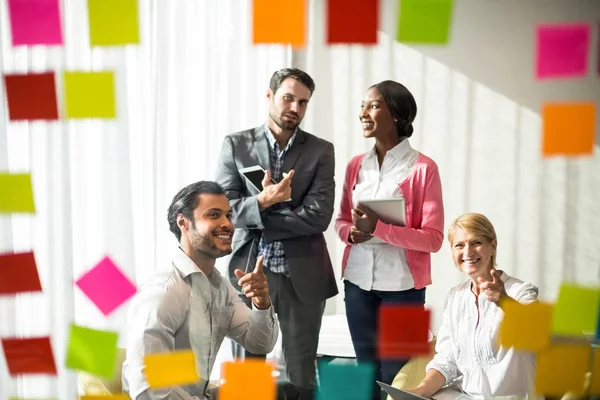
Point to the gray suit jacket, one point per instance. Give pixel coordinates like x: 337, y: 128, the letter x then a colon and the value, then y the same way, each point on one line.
x: 299, y: 224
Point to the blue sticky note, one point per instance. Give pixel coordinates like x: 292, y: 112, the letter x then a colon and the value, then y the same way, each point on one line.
x: 345, y: 381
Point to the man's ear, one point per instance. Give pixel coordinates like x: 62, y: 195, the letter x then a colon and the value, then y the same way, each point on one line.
x: 182, y: 223
x: 270, y: 94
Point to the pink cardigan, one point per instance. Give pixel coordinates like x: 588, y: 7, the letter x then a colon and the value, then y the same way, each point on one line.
x: 423, y: 234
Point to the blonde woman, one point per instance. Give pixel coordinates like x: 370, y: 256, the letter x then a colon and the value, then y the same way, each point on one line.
x: 468, y: 353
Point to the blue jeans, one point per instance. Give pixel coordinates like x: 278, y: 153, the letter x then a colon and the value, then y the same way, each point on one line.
x: 362, y: 311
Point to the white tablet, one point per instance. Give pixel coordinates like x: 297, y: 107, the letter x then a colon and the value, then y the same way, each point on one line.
x: 390, y: 211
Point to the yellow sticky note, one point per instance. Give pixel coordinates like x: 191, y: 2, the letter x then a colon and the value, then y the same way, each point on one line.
x: 537, y: 317
x: 90, y: 94
x: 277, y: 21
x: 562, y: 369
x: 113, y: 22
x: 249, y: 376
x: 106, y: 397
x: 569, y: 129
x: 16, y: 193
x: 595, y: 380
x: 171, y: 369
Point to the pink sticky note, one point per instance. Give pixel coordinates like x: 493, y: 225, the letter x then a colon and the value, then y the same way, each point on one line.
x: 106, y: 286
x: 562, y: 50
x: 35, y: 22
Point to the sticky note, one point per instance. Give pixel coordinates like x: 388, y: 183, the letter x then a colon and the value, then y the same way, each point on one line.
x: 276, y: 21
x: 106, y: 286
x: 18, y: 273
x: 92, y: 350
x: 16, y: 193
x: 35, y: 22
x: 105, y: 397
x: 561, y: 369
x: 568, y: 129
x: 345, y: 381
x: 113, y: 22
x: 249, y: 376
x: 29, y: 356
x: 352, y: 21
x: 170, y: 369
x: 424, y: 21
x: 595, y: 378
x: 90, y: 94
x: 31, y: 96
x: 538, y: 319
x: 562, y: 50
x: 409, y: 341
x: 576, y: 310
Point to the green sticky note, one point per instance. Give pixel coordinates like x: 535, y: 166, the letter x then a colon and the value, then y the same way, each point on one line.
x: 90, y: 94
x: 16, y: 193
x: 92, y: 351
x: 576, y: 310
x: 113, y: 22
x: 345, y: 381
x: 424, y: 21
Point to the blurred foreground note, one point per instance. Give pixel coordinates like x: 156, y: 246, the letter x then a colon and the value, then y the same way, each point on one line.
x: 277, y: 21
x: 16, y: 194
x: 345, y: 381
x: 352, y: 21
x: 411, y: 340
x: 31, y: 96
x: 171, y: 369
x: 576, y: 310
x: 113, y: 22
x: 537, y: 317
x: 35, y: 22
x: 29, y: 356
x: 92, y: 350
x: 249, y: 376
x: 106, y: 286
x: 18, y: 274
x: 578, y: 119
x: 562, y: 369
x: 105, y: 397
x: 562, y: 50
x: 425, y: 21
x: 595, y: 379
x: 90, y: 94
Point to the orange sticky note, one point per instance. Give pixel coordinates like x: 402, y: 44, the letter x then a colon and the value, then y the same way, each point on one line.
x: 171, y: 369
x: 568, y: 129
x: 249, y: 376
x: 279, y: 21
x: 538, y: 319
x: 595, y: 386
x: 562, y: 369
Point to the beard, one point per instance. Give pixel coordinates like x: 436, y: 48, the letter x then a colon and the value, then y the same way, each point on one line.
x: 206, y: 244
x: 285, y: 125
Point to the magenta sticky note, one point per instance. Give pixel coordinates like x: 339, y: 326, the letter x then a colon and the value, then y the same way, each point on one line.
x: 106, y: 286
x: 35, y: 22
x: 562, y: 50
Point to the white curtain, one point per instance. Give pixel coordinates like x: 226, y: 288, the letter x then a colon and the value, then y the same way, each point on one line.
x: 102, y: 187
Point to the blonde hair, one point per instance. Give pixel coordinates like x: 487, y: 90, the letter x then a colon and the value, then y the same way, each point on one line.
x: 477, y: 224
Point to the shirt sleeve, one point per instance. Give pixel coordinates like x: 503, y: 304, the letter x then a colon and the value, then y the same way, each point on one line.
x: 256, y: 330
x: 524, y: 292
x: 444, y: 360
x: 154, y: 316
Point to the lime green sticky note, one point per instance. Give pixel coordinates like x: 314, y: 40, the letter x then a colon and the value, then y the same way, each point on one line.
x: 90, y: 94
x: 16, y: 193
x: 424, y: 21
x: 576, y: 310
x: 113, y: 22
x: 92, y: 351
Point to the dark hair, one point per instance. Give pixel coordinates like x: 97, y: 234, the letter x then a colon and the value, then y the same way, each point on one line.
x: 297, y: 74
x: 401, y: 103
x: 186, y: 200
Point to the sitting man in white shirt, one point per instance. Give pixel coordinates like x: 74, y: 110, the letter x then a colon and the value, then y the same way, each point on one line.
x: 468, y: 354
x: 192, y: 306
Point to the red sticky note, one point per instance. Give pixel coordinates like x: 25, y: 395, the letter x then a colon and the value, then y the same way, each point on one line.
x: 562, y: 50
x: 352, y: 21
x: 35, y: 22
x: 18, y: 273
x: 568, y: 129
x: 29, y: 356
x: 277, y: 21
x: 403, y: 331
x: 31, y: 96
